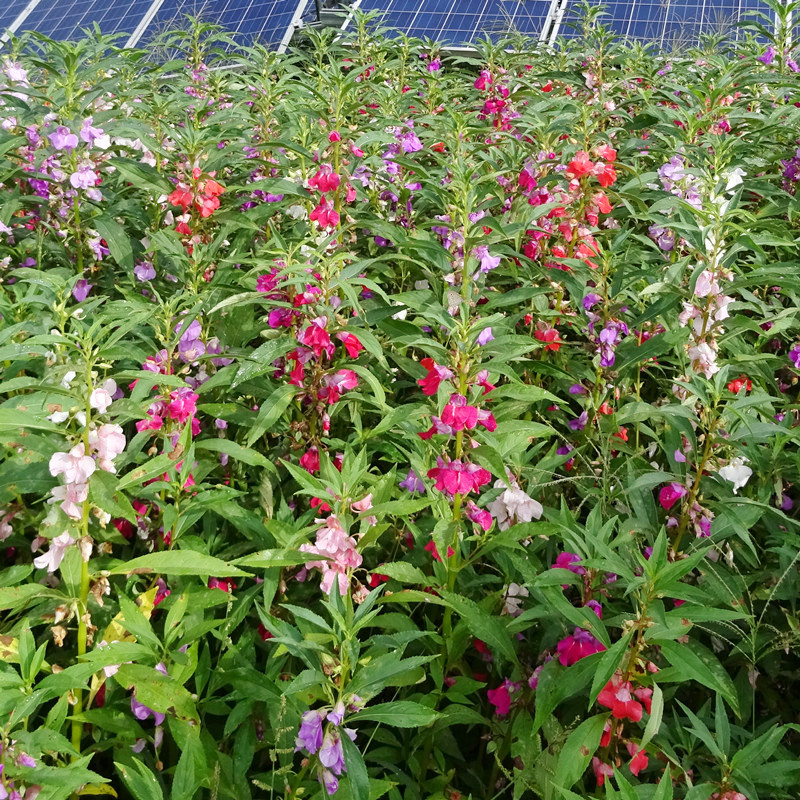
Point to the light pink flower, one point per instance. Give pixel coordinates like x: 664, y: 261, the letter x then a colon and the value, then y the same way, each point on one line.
x: 107, y: 442
x: 76, y: 466
x: 70, y: 496
x: 55, y: 555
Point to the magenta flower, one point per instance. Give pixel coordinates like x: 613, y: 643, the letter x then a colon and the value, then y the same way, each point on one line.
x: 580, y: 644
x: 670, y: 494
x: 500, y: 698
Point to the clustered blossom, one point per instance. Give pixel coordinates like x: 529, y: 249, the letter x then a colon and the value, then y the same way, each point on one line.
x: 316, y: 737
x: 339, y: 553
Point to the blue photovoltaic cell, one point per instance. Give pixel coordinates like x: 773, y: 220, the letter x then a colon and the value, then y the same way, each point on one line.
x: 453, y: 22
x: 458, y: 22
x: 669, y: 22
x: 65, y: 20
x: 264, y: 21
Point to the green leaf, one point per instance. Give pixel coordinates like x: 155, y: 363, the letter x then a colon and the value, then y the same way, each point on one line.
x: 482, y: 624
x: 402, y: 571
x: 400, y: 714
x: 356, y: 770
x: 140, y: 781
x: 15, y: 598
x: 578, y: 751
x: 157, y: 691
x: 270, y: 411
x: 260, y: 360
x: 178, y: 562
x: 265, y: 559
x: 696, y: 662
x: 656, y: 714
x: 103, y: 493
x: 117, y: 240
x: 155, y: 466
x: 243, y: 454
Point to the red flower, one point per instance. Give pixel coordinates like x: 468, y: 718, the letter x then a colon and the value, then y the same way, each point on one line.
x: 617, y: 696
x: 639, y: 760
x: 431, y: 548
x: 580, y: 165
x: 351, y: 343
x: 601, y: 770
x: 605, y: 174
x: 738, y: 384
x: 317, y: 338
x: 264, y: 633
x: 436, y: 374
x: 550, y: 336
x: 606, y: 151
x: 226, y: 584
x: 309, y: 461
x: 180, y: 197
x: 316, y: 502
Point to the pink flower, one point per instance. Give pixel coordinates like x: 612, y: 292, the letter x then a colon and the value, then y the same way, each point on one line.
x: 337, y: 384
x: 309, y: 461
x: 479, y: 516
x: 102, y: 397
x: 601, y: 770
x: 182, y: 405
x: 76, y: 466
x: 670, y: 494
x: 71, y: 495
x: 325, y: 215
x: 325, y: 179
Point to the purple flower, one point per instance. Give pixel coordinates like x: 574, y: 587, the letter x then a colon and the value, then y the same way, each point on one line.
x: 220, y: 424
x: 62, y: 139
x: 590, y: 301
x: 579, y: 423
x: 80, y: 291
x: 144, y: 271
x: 331, y: 754
x: 84, y: 178
x: 190, y: 346
x: 412, y: 483
x: 337, y: 714
x: 309, y: 737
x: 488, y: 262
x: 794, y: 356
x: 576, y: 388
x: 142, y: 712
x: 435, y: 65
x: 410, y: 142
x: 485, y: 336
x: 329, y: 781
x: 768, y: 56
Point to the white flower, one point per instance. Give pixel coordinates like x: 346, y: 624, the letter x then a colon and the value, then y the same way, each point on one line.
x: 513, y: 597
x: 736, y: 472
x: 704, y: 359
x: 513, y: 506
x: 58, y: 416
x: 55, y: 555
x: 68, y: 378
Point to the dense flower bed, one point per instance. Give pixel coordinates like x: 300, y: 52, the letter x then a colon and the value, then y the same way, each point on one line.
x: 384, y: 424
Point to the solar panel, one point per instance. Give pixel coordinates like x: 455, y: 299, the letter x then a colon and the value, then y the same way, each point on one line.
x: 453, y: 22
x: 65, y: 20
x: 264, y: 21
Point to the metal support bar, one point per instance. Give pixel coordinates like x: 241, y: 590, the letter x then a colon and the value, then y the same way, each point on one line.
x: 144, y: 23
x: 21, y: 17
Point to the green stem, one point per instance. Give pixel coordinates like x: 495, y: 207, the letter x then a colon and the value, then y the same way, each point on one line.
x: 83, y: 604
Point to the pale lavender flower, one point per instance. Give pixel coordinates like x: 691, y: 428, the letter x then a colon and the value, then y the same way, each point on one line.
x: 485, y: 336
x: 62, y: 139
x: 768, y: 56
x: 144, y: 271
x: 579, y: 423
x: 309, y: 737
x: 412, y: 483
